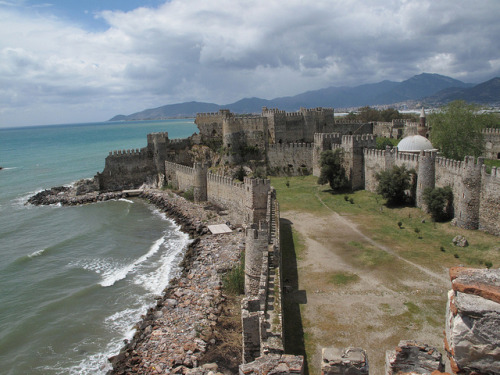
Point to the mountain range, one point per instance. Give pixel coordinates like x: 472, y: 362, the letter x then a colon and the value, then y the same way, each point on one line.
x: 427, y: 89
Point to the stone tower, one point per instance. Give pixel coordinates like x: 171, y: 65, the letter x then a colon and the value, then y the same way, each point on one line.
x: 426, y: 175
x: 469, y: 194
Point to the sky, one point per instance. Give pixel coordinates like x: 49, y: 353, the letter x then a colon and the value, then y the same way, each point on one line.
x: 71, y: 61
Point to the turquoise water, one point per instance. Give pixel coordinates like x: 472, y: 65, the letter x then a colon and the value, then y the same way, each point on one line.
x: 74, y: 280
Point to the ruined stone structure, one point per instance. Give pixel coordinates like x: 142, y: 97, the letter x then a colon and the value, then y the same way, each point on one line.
x: 492, y: 143
x: 472, y: 319
x: 128, y: 169
x: 304, y: 135
x: 475, y: 192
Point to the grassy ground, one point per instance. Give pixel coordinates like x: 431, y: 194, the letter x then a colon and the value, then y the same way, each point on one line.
x: 354, y: 293
x: 491, y: 163
x: 431, y: 246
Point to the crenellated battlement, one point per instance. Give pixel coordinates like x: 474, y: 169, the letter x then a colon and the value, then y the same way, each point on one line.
x: 491, y: 131
x: 405, y: 156
x: 374, y: 153
x: 320, y: 137
x: 364, y: 140
x: 281, y: 146
x: 495, y: 173
x: 224, y: 180
x: 213, y: 114
x: 266, y: 110
x: 179, y: 167
x: 178, y: 140
x: 132, y: 152
x: 256, y: 181
x: 350, y: 122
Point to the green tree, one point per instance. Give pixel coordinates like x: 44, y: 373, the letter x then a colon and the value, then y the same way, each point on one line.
x: 456, y: 129
x: 367, y: 114
x: 392, y: 184
x: 439, y: 202
x: 240, y: 174
x: 382, y: 142
x: 332, y: 171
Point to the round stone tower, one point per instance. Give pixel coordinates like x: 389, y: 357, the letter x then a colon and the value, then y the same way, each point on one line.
x: 426, y: 175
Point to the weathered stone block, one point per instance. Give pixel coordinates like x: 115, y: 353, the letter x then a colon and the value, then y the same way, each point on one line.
x: 349, y: 361
x: 473, y: 321
x: 274, y: 364
x: 413, y: 357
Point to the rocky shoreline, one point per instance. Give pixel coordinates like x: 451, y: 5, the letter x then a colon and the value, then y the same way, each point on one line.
x: 178, y: 333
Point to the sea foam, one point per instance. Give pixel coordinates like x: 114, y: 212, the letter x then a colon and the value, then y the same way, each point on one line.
x: 123, y: 272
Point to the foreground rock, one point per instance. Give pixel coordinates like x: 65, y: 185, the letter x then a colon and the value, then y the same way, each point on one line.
x: 68, y: 196
x: 411, y: 357
x: 473, y: 320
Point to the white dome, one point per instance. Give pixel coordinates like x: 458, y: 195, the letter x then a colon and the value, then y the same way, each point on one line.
x: 414, y: 143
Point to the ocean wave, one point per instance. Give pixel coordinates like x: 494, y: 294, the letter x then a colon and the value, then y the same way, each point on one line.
x: 20, y: 202
x: 158, y: 279
x: 36, y: 253
x: 28, y: 257
x: 123, y: 272
x: 126, y: 200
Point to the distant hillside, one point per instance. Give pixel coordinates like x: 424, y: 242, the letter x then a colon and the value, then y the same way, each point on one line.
x: 429, y: 88
x: 180, y: 110
x: 485, y: 93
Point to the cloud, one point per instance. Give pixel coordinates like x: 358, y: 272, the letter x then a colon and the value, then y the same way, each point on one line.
x: 225, y: 50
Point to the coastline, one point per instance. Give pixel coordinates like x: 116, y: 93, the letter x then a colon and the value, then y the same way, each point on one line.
x: 183, y: 327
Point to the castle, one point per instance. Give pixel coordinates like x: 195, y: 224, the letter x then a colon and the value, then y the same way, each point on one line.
x: 291, y: 144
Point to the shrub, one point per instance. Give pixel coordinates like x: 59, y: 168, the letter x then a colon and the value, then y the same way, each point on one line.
x: 239, y: 174
x: 400, y: 224
x: 233, y: 281
x: 488, y: 264
x: 383, y: 142
x: 332, y: 171
x: 393, y: 184
x: 439, y: 202
x: 189, y: 195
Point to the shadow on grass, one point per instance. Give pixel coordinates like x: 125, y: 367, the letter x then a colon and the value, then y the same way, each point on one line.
x: 292, y: 296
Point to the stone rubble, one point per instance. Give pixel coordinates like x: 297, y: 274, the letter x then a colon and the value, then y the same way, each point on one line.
x: 411, y: 357
x: 349, y: 361
x: 275, y: 364
x: 460, y: 241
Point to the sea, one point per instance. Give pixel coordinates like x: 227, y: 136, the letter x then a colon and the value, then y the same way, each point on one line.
x: 75, y: 280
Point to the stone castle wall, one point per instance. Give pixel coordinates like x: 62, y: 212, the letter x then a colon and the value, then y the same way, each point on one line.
x: 227, y: 193
x: 352, y: 127
x: 489, y: 209
x: 292, y: 159
x: 491, y: 143
x: 126, y: 169
x: 210, y: 124
x: 240, y: 133
x: 247, y: 198
x: 476, y: 193
x: 353, y: 146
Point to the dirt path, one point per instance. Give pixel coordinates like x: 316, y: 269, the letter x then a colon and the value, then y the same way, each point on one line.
x: 360, y: 293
